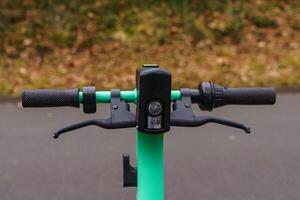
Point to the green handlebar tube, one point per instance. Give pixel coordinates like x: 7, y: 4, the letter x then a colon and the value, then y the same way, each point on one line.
x: 129, y: 96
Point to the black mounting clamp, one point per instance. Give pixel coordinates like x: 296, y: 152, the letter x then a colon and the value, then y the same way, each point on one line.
x: 182, y: 115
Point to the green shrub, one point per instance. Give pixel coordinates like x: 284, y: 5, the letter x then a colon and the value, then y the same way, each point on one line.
x: 262, y: 21
x: 63, y: 38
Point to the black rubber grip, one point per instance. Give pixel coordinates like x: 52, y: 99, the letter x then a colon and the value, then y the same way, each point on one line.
x: 51, y: 98
x: 249, y: 96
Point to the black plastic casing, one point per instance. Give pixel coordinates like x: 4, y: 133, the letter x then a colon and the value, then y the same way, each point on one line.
x: 153, y: 84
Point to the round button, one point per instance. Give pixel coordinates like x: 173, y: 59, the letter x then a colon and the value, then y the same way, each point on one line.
x: 154, y: 108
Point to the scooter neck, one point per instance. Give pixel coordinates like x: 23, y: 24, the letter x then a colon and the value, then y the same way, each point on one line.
x: 150, y: 166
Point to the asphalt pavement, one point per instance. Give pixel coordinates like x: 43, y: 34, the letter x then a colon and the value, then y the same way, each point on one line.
x: 212, y: 162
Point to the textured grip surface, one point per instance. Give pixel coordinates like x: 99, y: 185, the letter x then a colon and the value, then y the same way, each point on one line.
x: 50, y: 98
x: 249, y: 96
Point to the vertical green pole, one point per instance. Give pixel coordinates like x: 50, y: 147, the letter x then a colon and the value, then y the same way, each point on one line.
x: 150, y: 166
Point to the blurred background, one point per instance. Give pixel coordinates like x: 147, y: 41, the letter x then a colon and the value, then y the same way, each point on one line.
x: 62, y: 43
x: 73, y: 43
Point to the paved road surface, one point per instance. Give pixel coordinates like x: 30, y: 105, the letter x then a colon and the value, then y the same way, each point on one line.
x: 212, y: 162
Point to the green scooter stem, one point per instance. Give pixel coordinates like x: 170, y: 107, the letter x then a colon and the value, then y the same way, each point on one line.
x: 149, y: 152
x: 150, y: 166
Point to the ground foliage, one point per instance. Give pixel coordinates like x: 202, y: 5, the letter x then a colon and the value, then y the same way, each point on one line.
x: 63, y: 43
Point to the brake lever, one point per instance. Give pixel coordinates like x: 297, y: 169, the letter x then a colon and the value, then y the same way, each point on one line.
x: 201, y: 120
x: 104, y: 123
x: 182, y: 115
x: 121, y: 117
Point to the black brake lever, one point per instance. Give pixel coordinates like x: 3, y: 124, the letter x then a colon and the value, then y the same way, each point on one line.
x: 201, y: 120
x: 182, y: 115
x: 121, y: 117
x: 104, y: 123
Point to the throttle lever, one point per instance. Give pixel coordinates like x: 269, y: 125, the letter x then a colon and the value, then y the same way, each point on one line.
x: 182, y: 115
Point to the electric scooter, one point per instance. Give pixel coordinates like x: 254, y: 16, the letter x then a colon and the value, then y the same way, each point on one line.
x: 158, y: 107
